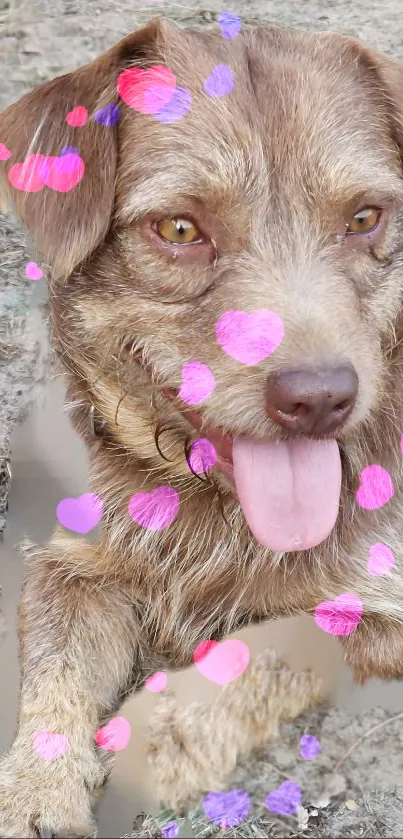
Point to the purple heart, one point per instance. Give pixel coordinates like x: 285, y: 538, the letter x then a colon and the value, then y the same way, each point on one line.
x: 285, y: 800
x: 177, y: 107
x: 108, y: 116
x: 309, y: 747
x: 170, y: 831
x: 230, y: 24
x: 69, y: 150
x: 227, y: 809
x: 80, y: 514
x: 220, y: 81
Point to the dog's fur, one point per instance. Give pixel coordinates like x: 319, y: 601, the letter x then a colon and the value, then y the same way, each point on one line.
x: 194, y: 750
x: 314, y: 125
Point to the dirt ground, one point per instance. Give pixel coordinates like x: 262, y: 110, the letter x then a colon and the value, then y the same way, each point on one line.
x: 43, y: 38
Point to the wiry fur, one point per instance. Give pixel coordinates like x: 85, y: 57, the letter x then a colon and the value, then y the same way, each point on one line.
x: 272, y: 171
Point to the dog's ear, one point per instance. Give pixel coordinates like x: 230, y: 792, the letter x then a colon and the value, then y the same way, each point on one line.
x: 67, y: 205
x: 389, y: 73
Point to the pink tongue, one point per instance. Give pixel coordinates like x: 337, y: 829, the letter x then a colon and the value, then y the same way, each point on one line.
x: 289, y: 492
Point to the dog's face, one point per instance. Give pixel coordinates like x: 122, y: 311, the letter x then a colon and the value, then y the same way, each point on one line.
x: 246, y: 256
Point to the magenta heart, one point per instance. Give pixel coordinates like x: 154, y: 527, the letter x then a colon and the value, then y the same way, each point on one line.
x: 5, y: 152
x: 147, y: 91
x: 221, y: 662
x: 114, y: 736
x: 376, y: 487
x: 77, y: 117
x: 340, y: 616
x: 154, y: 510
x: 25, y: 176
x: 80, y: 514
x: 249, y: 338
x: 62, y: 173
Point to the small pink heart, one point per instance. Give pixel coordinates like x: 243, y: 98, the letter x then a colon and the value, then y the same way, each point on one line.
x: 198, y: 383
x: 376, y: 488
x: 114, y: 736
x: 249, y: 338
x: 80, y: 514
x: 154, y: 510
x: 340, y: 616
x: 62, y: 173
x: 25, y: 176
x: 49, y: 745
x: 5, y: 152
x: 202, y: 456
x: 33, y: 271
x: 147, y: 91
x: 381, y: 560
x: 221, y: 662
x: 77, y: 117
x: 157, y: 682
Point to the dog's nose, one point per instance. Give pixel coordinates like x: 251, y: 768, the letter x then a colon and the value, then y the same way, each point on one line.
x: 312, y: 402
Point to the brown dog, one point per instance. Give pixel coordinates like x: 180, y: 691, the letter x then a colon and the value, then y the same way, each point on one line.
x: 281, y: 198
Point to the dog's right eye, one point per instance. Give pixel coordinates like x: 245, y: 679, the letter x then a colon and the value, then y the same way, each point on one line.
x: 178, y: 231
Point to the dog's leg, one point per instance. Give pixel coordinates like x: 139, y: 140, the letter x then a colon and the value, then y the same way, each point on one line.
x: 77, y: 641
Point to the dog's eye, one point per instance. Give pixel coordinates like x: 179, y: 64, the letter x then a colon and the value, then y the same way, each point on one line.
x: 364, y: 221
x: 178, y: 231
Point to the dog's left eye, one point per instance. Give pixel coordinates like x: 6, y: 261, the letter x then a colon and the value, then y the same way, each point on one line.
x: 364, y: 221
x: 178, y: 231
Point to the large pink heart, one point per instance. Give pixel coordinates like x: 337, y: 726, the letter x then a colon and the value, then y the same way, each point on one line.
x: 376, y: 487
x: 221, y: 662
x: 80, y: 514
x: 62, y: 173
x: 25, y: 176
x: 114, y: 736
x: 340, y: 616
x: 154, y: 510
x: 249, y: 338
x: 147, y: 91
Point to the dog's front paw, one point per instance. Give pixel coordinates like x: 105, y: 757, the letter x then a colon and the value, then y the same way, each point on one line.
x: 49, y: 802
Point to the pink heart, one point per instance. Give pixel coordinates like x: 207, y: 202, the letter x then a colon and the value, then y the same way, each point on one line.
x: 157, y: 682
x: 376, y: 488
x: 50, y: 746
x: 62, y: 173
x: 154, y: 510
x: 381, y: 559
x: 77, y: 117
x: 198, y: 383
x: 5, y: 152
x: 202, y: 456
x: 80, y: 514
x: 249, y: 338
x: 25, y: 176
x: 147, y: 91
x: 33, y: 271
x: 114, y: 736
x: 340, y: 616
x: 221, y: 662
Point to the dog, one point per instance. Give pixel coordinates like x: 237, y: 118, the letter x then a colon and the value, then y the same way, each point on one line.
x: 224, y: 245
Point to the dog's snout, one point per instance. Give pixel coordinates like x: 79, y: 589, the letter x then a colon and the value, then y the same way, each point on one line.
x: 312, y: 402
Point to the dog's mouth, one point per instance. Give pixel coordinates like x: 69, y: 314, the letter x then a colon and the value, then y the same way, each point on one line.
x: 289, y: 490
